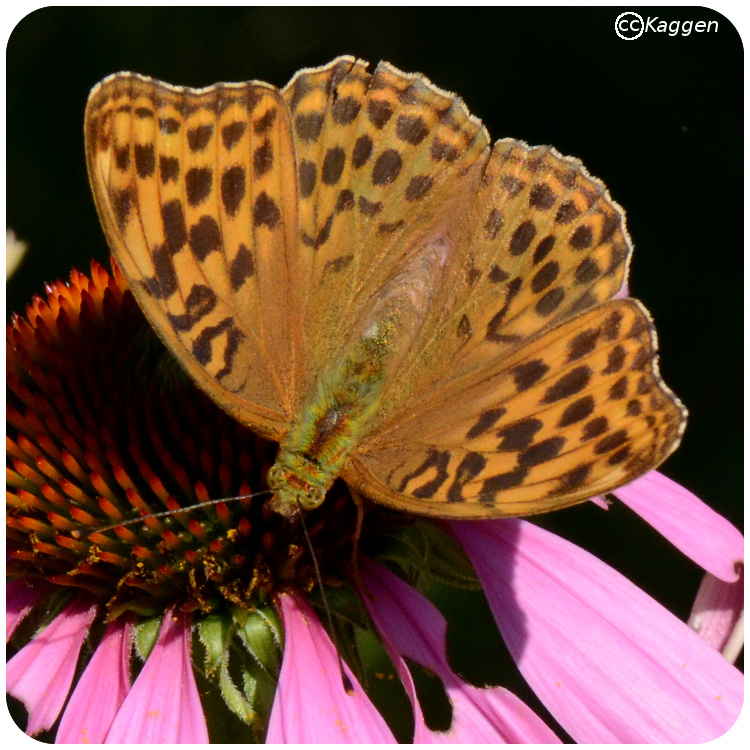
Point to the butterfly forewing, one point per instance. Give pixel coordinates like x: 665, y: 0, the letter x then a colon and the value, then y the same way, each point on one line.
x: 385, y: 160
x: 197, y: 195
x: 273, y: 238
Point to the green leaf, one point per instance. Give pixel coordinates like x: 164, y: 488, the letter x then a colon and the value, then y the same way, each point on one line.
x: 146, y: 634
x: 260, y: 632
x: 446, y: 558
x: 345, y: 604
x: 214, y: 632
x: 406, y: 549
x: 239, y: 701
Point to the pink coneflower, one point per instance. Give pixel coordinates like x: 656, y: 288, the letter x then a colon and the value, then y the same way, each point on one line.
x: 205, y: 625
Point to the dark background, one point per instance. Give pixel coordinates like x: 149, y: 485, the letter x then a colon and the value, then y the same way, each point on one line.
x: 659, y: 119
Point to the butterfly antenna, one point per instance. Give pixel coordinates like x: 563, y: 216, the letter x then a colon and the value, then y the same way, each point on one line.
x: 77, y: 534
x: 348, y: 687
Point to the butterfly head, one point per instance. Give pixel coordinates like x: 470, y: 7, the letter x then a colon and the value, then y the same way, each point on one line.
x: 296, y: 482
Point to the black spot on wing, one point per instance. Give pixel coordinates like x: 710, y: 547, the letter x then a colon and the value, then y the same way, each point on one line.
x: 198, y: 181
x: 203, y: 345
x: 308, y: 126
x: 122, y: 202
x: 501, y: 482
x: 487, y: 420
x: 541, y: 197
x: 265, y: 211
x: 241, y: 268
x: 469, y: 468
x: 582, y: 343
x: 568, y: 385
x: 345, y: 110
x: 615, y: 360
x: 205, y: 237
x: 362, y: 151
x: 233, y: 188
x: 387, y: 167
x: 435, y: 459
x: 333, y: 165
x: 577, y: 411
x: 594, y: 428
x: 495, y: 324
x: 545, y: 276
x: 308, y: 175
x: 522, y: 237
x: 169, y: 168
x: 529, y: 373
x: 418, y: 187
x: 231, y: 134
x: 199, y: 303
x: 263, y: 159
x: 412, y: 129
x: 542, y: 452
x: 145, y: 159
x: 574, y: 479
x: 345, y: 201
x: 199, y: 137
x: 379, y: 112
x: 612, y: 441
x: 543, y: 249
x: 262, y: 124
x: 518, y: 436
x: 175, y: 229
x: 164, y: 284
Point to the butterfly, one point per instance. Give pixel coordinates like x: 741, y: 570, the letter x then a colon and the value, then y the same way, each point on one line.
x: 350, y: 268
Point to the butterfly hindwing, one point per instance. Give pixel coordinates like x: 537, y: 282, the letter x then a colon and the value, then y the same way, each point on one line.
x: 197, y: 196
x: 579, y: 410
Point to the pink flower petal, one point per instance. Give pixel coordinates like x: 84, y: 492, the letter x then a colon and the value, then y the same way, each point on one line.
x: 101, y: 690
x: 414, y: 627
x: 490, y: 716
x: 717, y: 614
x: 686, y: 521
x: 40, y: 674
x: 609, y: 662
x: 19, y: 599
x: 600, y: 501
x: 163, y: 706
x: 311, y: 704
x: 624, y: 291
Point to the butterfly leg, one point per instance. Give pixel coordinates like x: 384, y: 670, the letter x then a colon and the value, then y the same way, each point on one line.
x: 360, y: 506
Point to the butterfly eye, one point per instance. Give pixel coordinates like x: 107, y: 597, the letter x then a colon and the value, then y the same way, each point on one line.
x: 313, y: 499
x: 274, y: 478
